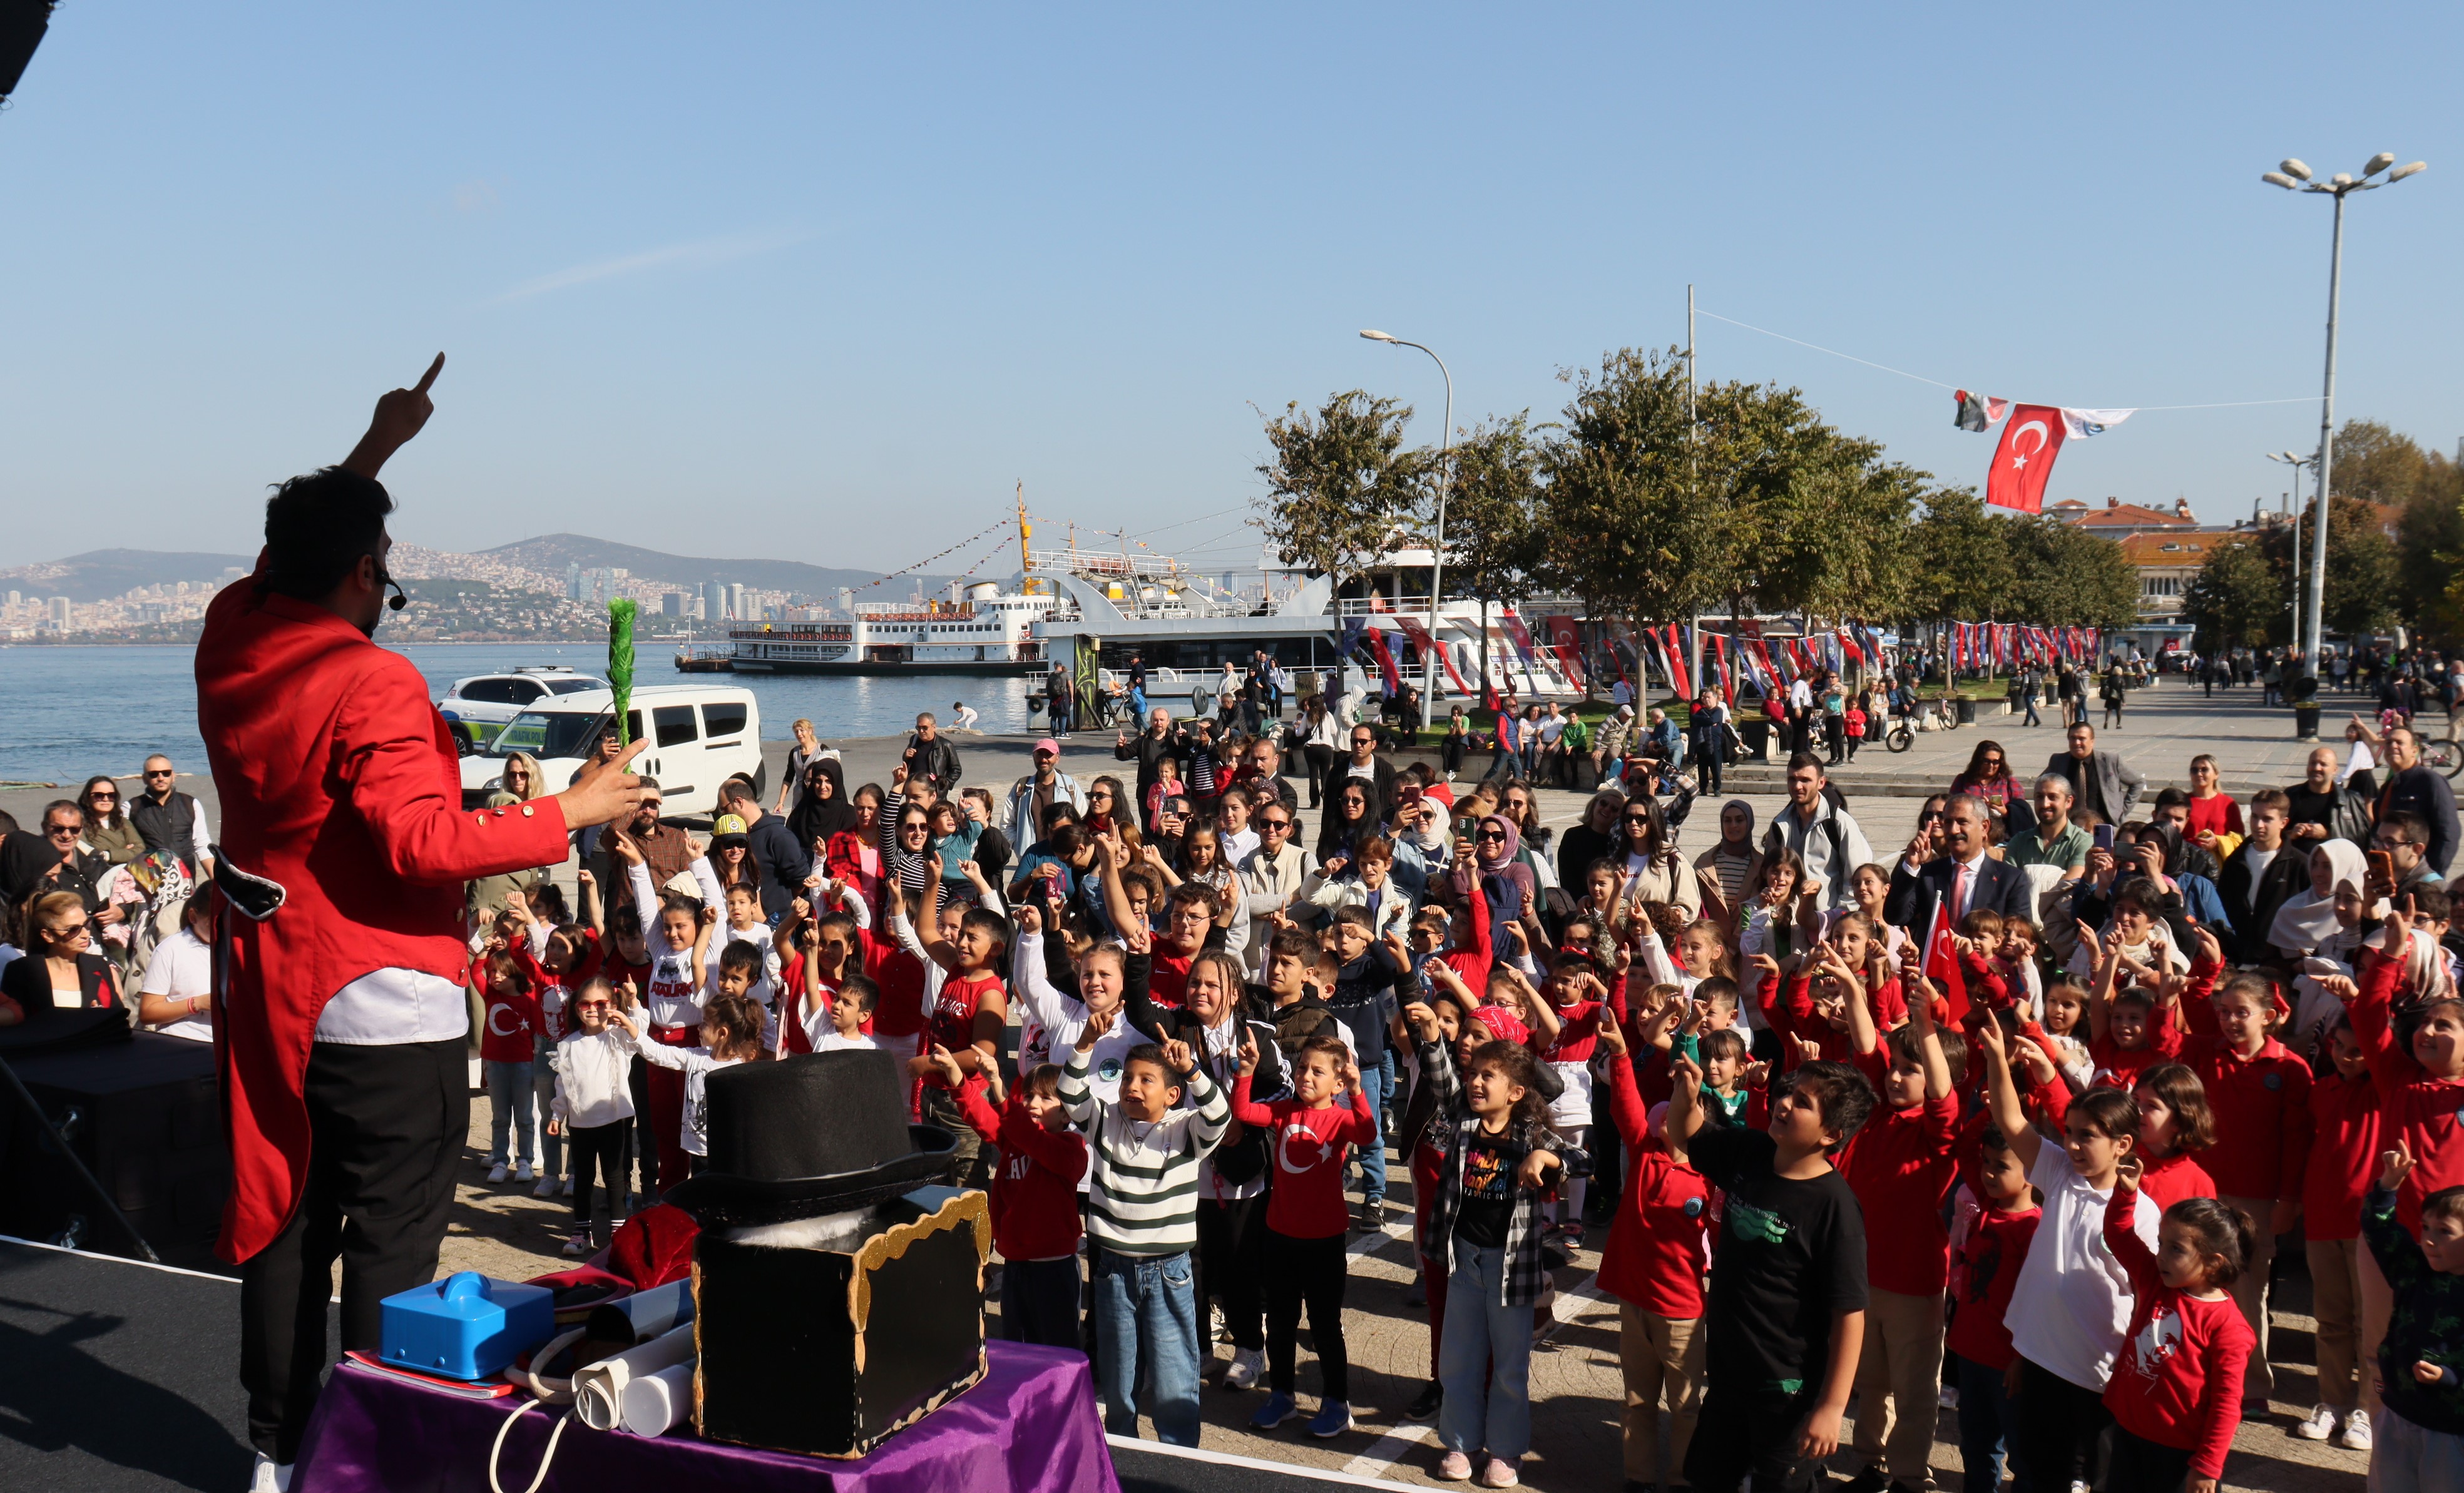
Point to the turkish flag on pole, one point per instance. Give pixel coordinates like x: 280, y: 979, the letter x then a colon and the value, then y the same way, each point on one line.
x: 1942, y: 963
x: 2024, y: 460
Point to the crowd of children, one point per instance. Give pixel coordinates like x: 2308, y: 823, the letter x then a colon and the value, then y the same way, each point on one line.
x: 2032, y: 1164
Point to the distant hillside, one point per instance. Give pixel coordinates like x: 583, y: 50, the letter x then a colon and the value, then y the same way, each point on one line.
x: 551, y: 553
x: 100, y: 575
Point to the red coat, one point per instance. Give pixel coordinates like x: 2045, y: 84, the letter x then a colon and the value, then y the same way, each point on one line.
x: 339, y: 780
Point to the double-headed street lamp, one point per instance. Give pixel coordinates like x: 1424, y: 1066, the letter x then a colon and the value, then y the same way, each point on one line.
x: 1437, y: 542
x: 2297, y: 463
x: 2292, y: 175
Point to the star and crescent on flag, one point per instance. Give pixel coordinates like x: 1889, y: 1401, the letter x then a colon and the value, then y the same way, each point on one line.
x: 2032, y: 437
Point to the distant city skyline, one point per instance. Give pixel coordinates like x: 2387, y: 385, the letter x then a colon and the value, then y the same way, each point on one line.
x: 824, y: 284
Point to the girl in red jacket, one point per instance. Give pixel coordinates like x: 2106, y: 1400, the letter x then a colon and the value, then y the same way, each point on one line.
x: 2175, y: 1130
x: 2175, y: 1393
x: 2343, y: 1160
x: 1654, y: 1266
x: 1035, y: 1199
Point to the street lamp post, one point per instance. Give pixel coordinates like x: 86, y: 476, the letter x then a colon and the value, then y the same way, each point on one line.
x: 2297, y: 463
x: 2291, y: 175
x: 1438, y: 541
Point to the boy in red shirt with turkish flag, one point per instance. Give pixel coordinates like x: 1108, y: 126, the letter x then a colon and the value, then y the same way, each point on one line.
x: 340, y: 1019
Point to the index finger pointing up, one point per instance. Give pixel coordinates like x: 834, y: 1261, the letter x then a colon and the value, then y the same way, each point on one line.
x: 430, y: 377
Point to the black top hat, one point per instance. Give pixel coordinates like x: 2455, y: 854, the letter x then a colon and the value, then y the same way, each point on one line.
x: 818, y: 1133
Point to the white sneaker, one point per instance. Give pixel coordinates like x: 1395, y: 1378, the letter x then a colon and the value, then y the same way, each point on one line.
x: 546, y: 1188
x: 2357, y: 1431
x: 1246, y: 1365
x: 522, y: 1172
x: 268, y: 1476
x: 496, y: 1172
x: 2318, y: 1426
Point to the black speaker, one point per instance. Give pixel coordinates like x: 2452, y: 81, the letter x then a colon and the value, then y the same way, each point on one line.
x: 145, y: 1117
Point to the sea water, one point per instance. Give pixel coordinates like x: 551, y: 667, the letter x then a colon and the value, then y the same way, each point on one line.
x: 67, y: 711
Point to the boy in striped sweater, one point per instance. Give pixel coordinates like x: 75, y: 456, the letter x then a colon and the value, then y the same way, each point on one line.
x: 1142, y: 1221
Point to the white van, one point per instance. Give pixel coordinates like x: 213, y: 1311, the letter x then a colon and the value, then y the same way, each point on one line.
x: 701, y: 736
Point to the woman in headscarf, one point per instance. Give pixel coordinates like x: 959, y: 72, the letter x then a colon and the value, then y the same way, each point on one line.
x: 2325, y: 929
x: 1497, y: 848
x: 1728, y: 868
x: 822, y: 807
x: 108, y: 830
x: 1654, y: 871
x: 1592, y: 838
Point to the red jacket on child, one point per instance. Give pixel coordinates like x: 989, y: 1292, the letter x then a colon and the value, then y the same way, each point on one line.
x: 2262, y: 1108
x: 2427, y: 1112
x: 1982, y: 1275
x: 2177, y: 1380
x: 1308, y: 1146
x: 1035, y: 1191
x: 1900, y: 1166
x: 2344, y: 1156
x: 1654, y: 1257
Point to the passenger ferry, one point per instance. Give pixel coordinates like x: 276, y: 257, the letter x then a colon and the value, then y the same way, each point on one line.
x: 985, y: 630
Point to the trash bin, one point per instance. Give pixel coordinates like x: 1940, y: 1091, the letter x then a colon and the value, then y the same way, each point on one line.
x: 2305, y: 723
x: 1967, y: 711
x: 1757, y: 740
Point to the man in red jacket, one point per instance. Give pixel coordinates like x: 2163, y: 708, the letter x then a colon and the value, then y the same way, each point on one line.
x: 340, y: 1023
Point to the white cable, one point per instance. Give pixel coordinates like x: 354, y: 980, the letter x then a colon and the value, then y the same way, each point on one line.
x: 546, y: 1457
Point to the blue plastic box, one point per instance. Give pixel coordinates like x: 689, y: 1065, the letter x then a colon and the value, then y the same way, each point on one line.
x: 466, y: 1326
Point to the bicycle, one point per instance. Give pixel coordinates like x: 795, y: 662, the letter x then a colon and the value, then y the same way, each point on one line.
x: 2442, y: 757
x: 1902, y: 735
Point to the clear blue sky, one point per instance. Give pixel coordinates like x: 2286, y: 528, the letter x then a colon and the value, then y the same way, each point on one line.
x: 824, y: 282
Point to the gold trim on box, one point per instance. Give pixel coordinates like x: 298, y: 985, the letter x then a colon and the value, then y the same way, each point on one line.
x: 892, y: 1243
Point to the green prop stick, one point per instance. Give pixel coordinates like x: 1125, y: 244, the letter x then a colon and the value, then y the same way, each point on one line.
x: 620, y: 664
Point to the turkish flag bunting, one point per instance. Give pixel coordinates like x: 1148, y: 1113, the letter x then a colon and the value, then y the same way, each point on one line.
x: 1385, y: 660
x: 2024, y: 459
x: 1942, y: 963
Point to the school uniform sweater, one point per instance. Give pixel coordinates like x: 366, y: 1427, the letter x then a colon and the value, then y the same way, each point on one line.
x: 1035, y: 1192
x: 2177, y: 1380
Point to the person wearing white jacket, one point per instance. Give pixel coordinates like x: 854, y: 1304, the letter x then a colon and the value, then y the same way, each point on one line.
x: 593, y: 1103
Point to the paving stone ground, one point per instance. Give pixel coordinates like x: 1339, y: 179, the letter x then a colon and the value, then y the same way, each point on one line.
x: 1576, y: 1390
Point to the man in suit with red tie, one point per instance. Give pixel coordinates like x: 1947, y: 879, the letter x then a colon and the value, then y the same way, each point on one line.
x: 340, y: 1020
x: 1962, y: 874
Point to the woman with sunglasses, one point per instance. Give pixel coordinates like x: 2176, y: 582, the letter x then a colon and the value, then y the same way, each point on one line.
x: 60, y: 971
x: 1349, y: 823
x: 1989, y: 781
x: 1654, y: 871
x: 109, y: 833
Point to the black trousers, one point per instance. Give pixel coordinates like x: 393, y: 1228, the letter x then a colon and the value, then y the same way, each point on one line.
x: 2057, y: 1424
x: 646, y: 1144
x: 387, y: 1128
x: 1744, y: 1431
x: 1306, y: 1272
x: 2140, y: 1466
x: 1231, y: 1264
x: 603, y: 1148
x: 1321, y: 762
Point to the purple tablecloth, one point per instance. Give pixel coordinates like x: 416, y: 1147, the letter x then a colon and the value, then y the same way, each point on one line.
x: 1029, y: 1427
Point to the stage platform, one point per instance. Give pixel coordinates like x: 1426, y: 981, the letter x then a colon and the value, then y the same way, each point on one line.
x: 118, y: 1377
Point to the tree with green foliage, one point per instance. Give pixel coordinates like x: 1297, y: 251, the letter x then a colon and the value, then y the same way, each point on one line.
x: 1495, y: 490
x: 1630, y: 527
x: 2069, y: 578
x: 1961, y: 555
x: 2237, y: 600
x: 2425, y: 491
x: 1340, y: 484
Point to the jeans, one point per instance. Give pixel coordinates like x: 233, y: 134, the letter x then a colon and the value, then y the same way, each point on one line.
x: 509, y: 1102
x: 1039, y: 1301
x: 543, y: 1094
x: 1984, y: 1422
x: 1484, y: 1342
x: 1146, y: 1317
x: 2030, y: 701
x: 1377, y: 1087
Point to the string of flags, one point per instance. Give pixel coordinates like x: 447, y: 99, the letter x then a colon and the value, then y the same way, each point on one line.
x: 2032, y: 437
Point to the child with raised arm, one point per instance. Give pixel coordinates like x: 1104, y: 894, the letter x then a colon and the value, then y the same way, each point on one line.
x: 1034, y: 1199
x: 2344, y: 1161
x: 731, y: 1033
x: 2175, y: 1395
x: 677, y: 933
x: 1900, y: 1169
x: 1497, y: 1158
x: 1787, y: 1314
x: 1308, y: 1136
x: 1142, y: 1218
x: 593, y: 1103
x: 2421, y: 1362
x: 1653, y: 1265
x: 968, y: 1007
x: 2071, y: 1305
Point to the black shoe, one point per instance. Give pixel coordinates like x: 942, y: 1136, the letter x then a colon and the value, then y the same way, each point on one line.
x: 1424, y: 1405
x: 1873, y: 1480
